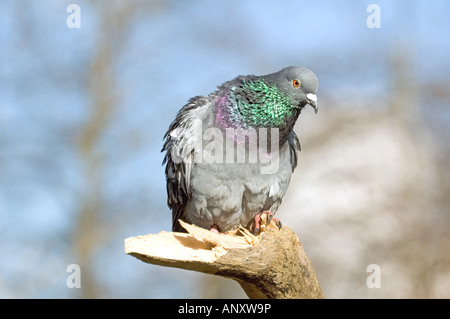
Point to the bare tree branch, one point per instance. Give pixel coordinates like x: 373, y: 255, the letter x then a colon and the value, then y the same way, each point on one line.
x: 272, y: 265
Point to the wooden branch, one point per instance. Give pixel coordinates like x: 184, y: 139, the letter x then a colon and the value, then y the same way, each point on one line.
x: 271, y: 265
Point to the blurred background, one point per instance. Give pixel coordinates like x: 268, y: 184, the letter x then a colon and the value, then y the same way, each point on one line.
x: 83, y: 112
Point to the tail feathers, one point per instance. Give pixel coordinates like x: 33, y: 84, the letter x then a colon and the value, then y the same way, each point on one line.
x: 176, y: 215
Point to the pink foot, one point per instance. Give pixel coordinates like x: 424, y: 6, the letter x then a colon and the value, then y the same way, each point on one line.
x: 214, y: 229
x: 259, y: 220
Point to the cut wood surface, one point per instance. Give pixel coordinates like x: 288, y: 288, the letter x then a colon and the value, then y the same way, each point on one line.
x: 270, y: 265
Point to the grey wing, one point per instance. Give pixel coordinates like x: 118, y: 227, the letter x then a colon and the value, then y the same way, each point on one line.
x: 179, y: 146
x: 294, y: 146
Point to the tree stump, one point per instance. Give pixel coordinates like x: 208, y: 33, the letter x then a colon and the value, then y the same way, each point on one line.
x: 270, y: 265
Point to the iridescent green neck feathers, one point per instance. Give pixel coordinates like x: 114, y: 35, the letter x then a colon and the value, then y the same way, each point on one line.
x: 253, y: 102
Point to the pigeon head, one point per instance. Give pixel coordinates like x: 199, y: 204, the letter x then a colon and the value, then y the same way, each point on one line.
x: 297, y: 82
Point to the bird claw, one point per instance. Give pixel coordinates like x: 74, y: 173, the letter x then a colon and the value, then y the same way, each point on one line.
x: 262, y: 220
x: 214, y: 229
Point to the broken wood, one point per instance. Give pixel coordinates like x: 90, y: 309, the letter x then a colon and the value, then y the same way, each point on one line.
x: 270, y: 265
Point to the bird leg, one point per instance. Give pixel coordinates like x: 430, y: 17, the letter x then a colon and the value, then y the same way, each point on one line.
x: 261, y: 221
x: 214, y: 228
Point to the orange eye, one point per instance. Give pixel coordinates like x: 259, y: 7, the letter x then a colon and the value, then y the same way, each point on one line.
x: 296, y: 83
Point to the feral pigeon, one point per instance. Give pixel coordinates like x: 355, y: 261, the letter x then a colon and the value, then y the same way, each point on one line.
x: 230, y: 155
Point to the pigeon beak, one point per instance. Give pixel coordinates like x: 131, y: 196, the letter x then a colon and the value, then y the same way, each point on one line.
x: 312, y: 100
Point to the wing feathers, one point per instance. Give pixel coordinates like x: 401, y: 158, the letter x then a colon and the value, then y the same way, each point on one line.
x: 294, y: 146
x: 179, y: 147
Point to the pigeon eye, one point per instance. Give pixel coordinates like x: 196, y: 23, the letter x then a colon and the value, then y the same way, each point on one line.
x: 296, y: 83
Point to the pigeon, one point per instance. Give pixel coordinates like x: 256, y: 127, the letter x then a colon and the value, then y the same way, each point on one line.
x: 229, y: 156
